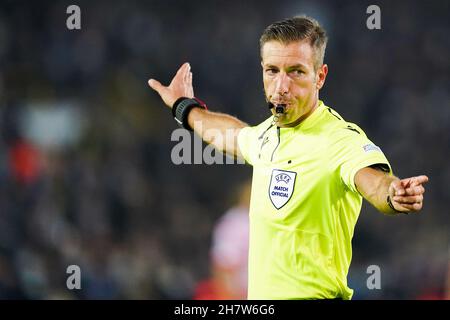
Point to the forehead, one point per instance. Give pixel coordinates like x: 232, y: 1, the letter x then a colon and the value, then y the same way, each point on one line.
x: 280, y: 54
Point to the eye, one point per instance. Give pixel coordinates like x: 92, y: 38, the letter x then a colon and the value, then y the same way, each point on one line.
x: 297, y: 72
x: 271, y: 71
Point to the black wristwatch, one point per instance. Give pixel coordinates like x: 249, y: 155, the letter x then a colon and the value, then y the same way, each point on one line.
x: 182, y: 107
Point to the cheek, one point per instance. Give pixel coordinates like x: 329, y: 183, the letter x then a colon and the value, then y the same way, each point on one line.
x: 303, y: 87
x: 268, y: 86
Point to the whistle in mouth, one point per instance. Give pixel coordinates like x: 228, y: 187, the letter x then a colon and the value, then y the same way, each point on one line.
x: 280, y: 108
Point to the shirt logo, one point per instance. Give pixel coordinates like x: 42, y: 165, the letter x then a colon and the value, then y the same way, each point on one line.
x: 281, y: 187
x: 371, y: 147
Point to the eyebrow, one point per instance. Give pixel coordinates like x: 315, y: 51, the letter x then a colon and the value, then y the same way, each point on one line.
x: 271, y: 66
x: 295, y: 66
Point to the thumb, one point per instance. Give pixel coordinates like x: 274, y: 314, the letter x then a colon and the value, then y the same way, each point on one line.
x: 155, y: 85
x: 396, y: 188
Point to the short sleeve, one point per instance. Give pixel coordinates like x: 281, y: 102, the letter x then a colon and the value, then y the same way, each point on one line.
x: 244, y: 143
x: 354, y: 151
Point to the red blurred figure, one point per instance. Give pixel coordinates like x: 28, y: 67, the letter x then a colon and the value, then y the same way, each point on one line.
x: 24, y: 161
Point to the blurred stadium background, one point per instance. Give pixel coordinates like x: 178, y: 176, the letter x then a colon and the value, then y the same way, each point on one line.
x: 86, y: 176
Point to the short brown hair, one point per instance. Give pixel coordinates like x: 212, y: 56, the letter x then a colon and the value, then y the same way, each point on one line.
x: 296, y: 29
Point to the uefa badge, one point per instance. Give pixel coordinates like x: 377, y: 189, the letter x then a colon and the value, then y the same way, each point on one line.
x: 281, y: 187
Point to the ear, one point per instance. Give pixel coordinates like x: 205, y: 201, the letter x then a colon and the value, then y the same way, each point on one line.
x: 262, y: 64
x: 321, y: 76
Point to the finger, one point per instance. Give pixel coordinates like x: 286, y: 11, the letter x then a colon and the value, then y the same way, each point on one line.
x: 189, y: 85
x: 398, y: 189
x: 155, y: 85
x: 408, y: 199
x: 419, y: 180
x: 186, y: 74
x: 414, y: 191
x: 180, y: 75
x: 181, y: 71
x: 407, y: 207
x: 405, y: 183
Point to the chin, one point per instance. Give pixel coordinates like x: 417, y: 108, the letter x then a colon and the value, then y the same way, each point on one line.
x: 283, y: 122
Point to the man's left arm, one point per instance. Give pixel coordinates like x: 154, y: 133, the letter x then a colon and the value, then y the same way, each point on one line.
x: 380, y: 188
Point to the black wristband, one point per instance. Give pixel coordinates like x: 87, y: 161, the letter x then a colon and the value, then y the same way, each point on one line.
x: 181, y: 109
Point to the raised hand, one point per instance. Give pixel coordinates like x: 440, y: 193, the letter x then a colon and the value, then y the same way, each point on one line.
x: 181, y: 86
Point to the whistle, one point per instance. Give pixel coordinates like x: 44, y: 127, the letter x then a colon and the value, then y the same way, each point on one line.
x: 279, y: 109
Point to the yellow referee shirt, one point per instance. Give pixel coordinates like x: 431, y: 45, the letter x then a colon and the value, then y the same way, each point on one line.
x: 304, y: 204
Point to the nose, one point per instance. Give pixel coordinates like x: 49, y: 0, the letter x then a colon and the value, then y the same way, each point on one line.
x: 282, y: 84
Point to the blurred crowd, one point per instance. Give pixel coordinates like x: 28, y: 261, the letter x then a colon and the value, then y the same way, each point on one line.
x: 86, y: 176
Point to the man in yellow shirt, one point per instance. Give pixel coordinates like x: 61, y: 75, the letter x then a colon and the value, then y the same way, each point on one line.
x: 311, y: 168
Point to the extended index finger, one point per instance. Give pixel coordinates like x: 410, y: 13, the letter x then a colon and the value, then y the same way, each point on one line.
x: 182, y: 70
x: 419, y: 180
x: 181, y: 73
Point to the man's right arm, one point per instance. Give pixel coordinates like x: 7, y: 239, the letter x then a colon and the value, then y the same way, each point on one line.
x: 220, y: 130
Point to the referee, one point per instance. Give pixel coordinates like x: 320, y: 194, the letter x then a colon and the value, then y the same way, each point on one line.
x: 311, y: 168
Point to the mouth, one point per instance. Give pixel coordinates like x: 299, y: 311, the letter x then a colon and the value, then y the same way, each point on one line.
x: 287, y: 105
x: 280, y: 102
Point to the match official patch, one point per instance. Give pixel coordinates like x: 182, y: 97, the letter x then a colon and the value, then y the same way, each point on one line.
x: 371, y: 147
x: 281, y: 187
